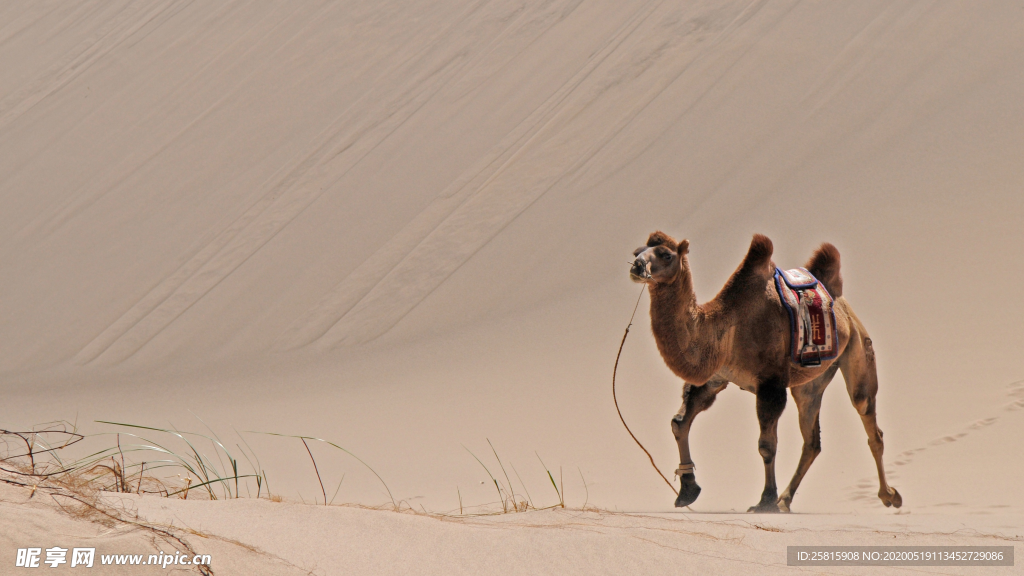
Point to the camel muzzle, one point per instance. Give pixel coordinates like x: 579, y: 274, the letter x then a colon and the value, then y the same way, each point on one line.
x: 640, y: 271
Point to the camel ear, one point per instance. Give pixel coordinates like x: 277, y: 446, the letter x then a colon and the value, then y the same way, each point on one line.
x: 684, y: 247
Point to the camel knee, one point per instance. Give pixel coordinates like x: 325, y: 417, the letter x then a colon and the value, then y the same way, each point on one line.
x: 697, y: 399
x: 767, y: 450
x: 678, y: 425
x: 864, y: 404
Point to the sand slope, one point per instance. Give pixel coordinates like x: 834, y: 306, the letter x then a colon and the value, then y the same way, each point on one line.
x: 298, y: 539
x: 404, y: 227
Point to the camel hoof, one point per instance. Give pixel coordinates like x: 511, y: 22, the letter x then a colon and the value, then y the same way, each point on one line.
x: 768, y: 508
x: 891, y: 498
x: 688, y: 490
x: 783, y: 506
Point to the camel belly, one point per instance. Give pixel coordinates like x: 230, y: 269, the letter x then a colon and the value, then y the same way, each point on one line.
x: 742, y: 378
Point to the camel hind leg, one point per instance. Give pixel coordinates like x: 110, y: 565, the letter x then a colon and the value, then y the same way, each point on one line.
x: 808, y: 402
x: 771, y: 401
x: 858, y: 366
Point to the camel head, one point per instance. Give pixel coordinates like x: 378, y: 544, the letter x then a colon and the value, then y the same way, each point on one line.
x: 660, y: 260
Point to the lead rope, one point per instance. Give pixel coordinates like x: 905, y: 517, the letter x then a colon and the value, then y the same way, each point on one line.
x: 615, y: 398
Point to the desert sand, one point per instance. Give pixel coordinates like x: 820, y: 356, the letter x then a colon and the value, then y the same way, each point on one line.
x: 404, y: 227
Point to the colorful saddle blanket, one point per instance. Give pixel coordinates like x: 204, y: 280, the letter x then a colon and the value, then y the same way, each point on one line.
x: 812, y: 320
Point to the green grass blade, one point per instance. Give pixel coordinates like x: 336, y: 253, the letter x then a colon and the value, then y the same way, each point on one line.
x: 206, y: 483
x: 552, y: 478
x: 529, y: 498
x: 511, y: 492
x: 496, y: 485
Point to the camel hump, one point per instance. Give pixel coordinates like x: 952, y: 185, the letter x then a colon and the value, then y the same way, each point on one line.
x: 824, y: 264
x: 757, y: 265
x: 752, y: 274
x: 760, y: 252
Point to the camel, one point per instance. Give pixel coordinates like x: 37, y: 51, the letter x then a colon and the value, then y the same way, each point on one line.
x: 743, y: 336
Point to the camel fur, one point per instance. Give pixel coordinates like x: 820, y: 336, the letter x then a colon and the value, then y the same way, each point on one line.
x: 742, y: 336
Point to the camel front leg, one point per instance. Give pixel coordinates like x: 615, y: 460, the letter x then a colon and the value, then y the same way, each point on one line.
x: 771, y: 401
x: 808, y: 401
x: 696, y: 399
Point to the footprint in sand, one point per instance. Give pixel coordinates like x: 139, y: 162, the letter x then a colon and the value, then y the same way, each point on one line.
x: 1016, y: 391
x: 863, y: 488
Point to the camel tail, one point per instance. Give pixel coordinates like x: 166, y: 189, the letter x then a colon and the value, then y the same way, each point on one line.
x: 824, y: 264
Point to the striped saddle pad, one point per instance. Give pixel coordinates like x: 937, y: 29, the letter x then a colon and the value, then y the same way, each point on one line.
x: 812, y: 320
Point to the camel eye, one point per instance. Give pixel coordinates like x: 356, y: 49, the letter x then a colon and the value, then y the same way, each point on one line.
x: 666, y: 256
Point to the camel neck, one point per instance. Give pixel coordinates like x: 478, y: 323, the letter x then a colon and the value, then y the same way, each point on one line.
x: 676, y: 296
x: 676, y: 321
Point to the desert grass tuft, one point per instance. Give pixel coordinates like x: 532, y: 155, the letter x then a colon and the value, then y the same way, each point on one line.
x: 152, y: 460
x: 509, y: 500
x: 497, y: 486
x: 175, y: 463
x: 221, y: 481
x: 40, y: 468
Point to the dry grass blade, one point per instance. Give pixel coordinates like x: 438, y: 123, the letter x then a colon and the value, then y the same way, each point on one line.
x: 587, y: 498
x: 32, y: 439
x: 336, y: 490
x: 383, y: 483
x: 317, y: 470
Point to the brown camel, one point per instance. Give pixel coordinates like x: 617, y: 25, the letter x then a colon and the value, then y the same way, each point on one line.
x: 743, y: 336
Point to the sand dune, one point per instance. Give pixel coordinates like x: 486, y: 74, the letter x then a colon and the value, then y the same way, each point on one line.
x: 404, y: 227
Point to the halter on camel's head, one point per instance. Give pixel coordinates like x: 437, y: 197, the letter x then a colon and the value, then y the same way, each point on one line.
x: 659, y: 260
